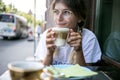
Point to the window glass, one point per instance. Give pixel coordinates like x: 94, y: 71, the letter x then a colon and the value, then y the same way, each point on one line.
x: 7, y: 18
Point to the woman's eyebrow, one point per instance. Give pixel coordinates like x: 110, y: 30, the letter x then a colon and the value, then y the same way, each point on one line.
x: 62, y: 9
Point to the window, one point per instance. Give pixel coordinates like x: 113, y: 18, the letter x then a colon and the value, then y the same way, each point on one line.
x: 6, y: 18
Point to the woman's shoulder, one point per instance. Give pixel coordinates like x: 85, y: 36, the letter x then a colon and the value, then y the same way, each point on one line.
x: 87, y: 30
x: 45, y: 32
x: 88, y: 34
x: 43, y: 35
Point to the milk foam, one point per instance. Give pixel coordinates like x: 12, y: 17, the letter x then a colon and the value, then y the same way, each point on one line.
x: 61, y: 29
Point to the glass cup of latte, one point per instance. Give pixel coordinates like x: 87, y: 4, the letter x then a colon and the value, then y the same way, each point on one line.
x: 25, y: 70
x: 61, y: 35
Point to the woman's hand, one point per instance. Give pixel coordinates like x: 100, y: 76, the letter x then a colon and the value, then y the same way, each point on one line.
x: 50, y: 47
x: 75, y: 40
x: 50, y: 41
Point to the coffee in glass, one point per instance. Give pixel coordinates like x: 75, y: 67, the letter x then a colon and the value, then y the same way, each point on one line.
x: 61, y: 35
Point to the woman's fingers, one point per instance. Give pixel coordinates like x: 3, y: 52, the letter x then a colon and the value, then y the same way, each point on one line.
x: 74, y: 39
x: 50, y: 39
x: 49, y: 33
x: 75, y: 43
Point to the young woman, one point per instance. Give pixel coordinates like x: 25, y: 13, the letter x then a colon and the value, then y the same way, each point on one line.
x: 82, y: 45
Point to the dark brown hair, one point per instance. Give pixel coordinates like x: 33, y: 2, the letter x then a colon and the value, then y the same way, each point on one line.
x: 78, y: 7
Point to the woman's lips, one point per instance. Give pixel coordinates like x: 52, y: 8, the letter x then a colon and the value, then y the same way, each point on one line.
x: 61, y: 24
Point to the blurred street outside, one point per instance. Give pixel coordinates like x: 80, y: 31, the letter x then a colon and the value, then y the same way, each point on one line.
x: 15, y: 50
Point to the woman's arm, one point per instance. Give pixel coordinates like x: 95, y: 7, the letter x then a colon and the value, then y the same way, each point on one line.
x: 48, y: 59
x: 75, y: 40
x: 80, y: 58
x: 50, y: 47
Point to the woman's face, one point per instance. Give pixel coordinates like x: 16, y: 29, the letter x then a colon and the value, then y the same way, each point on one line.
x: 64, y: 17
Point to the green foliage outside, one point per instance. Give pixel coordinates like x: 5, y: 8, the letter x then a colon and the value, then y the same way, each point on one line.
x: 11, y: 9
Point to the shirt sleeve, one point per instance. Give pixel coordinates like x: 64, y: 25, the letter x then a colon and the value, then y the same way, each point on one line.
x: 41, y: 48
x: 91, y: 48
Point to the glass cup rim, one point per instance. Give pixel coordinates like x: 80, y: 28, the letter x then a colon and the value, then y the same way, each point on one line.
x: 28, y: 66
x: 60, y: 29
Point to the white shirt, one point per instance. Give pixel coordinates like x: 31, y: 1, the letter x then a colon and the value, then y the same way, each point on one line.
x: 90, y: 46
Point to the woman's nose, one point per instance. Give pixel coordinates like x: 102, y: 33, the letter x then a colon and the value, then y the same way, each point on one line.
x: 60, y: 17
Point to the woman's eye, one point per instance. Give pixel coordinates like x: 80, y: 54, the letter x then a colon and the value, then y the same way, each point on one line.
x: 67, y: 12
x: 56, y: 12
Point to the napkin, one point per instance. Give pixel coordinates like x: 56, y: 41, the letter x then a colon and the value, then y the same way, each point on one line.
x: 73, y: 71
